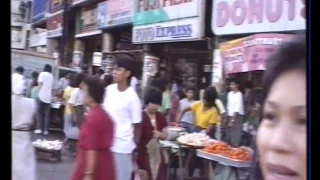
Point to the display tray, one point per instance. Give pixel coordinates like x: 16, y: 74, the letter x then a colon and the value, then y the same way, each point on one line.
x: 223, y: 160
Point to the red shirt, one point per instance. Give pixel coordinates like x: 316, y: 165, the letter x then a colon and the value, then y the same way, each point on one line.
x: 96, y: 134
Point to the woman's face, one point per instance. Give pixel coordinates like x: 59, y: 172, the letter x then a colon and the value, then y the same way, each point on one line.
x: 281, y: 137
x: 153, y: 107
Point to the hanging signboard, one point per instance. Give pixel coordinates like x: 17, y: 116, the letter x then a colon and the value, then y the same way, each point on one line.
x: 150, y: 68
x: 250, y: 53
x: 97, y: 59
x: 168, y: 21
x: 148, y: 12
x: 246, y: 16
x: 179, y: 30
x: 39, y: 39
x: 77, y: 59
x: 217, y: 66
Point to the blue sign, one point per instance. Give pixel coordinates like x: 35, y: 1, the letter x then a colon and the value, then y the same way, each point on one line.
x: 39, y: 10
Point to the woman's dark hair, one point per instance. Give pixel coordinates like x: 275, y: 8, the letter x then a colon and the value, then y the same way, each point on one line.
x: 47, y: 68
x: 95, y: 88
x: 20, y: 69
x: 210, y: 95
x: 34, y: 75
x: 107, y: 79
x: 159, y: 83
x: 77, y: 80
x: 126, y: 62
x: 154, y: 96
x: 290, y: 55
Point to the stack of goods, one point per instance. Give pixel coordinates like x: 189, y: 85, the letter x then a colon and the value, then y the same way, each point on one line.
x: 223, y: 149
x: 194, y: 139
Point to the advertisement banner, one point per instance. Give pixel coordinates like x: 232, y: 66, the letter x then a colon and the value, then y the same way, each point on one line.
x: 150, y: 68
x: 250, y: 53
x: 39, y: 39
x: 54, y: 26
x: 178, y: 30
x: 77, y: 59
x: 97, y: 59
x: 151, y: 11
x: 118, y: 12
x: 89, y: 18
x: 246, y: 16
x: 101, y: 14
x: 39, y: 9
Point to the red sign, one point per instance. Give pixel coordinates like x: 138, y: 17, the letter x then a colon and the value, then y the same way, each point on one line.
x: 250, y: 53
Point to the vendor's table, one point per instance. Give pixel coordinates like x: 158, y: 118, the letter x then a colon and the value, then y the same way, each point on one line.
x: 213, y: 160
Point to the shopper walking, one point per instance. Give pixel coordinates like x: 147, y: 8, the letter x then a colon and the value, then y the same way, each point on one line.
x: 95, y: 160
x: 235, y: 110
x: 22, y: 111
x: 123, y: 104
x: 45, y: 83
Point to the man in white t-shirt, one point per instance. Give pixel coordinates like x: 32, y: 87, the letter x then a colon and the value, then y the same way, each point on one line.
x: 124, y: 106
x: 235, y: 109
x: 45, y: 81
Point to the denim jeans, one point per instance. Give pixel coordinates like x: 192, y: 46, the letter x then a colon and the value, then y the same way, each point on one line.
x: 189, y: 127
x: 43, y: 115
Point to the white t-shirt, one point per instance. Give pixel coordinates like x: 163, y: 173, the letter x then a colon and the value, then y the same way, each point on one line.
x: 125, y: 109
x: 77, y: 97
x: 235, y: 103
x: 45, y: 92
x: 133, y: 82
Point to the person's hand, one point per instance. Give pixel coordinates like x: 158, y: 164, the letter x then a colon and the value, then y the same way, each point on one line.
x: 87, y: 177
x: 156, y: 134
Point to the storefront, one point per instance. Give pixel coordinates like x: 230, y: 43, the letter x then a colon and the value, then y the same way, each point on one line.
x: 248, y: 54
x: 162, y: 24
x: 87, y: 36
x: 115, y: 20
x: 54, y: 28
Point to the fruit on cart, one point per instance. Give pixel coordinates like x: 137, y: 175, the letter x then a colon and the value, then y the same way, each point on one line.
x: 241, y: 154
x: 223, y: 149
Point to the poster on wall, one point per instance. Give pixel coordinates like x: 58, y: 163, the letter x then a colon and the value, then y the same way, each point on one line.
x: 217, y: 71
x: 150, y: 67
x: 97, y: 59
x: 249, y: 53
x: 107, y: 64
x: 77, y: 59
x: 246, y: 16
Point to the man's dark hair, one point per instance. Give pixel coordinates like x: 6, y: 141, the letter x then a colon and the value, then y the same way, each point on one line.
x: 126, y: 62
x: 34, y: 75
x: 154, y: 96
x: 210, y: 95
x: 100, y: 71
x: 47, y: 68
x: 159, y: 83
x: 234, y: 80
x: 77, y: 80
x: 108, y: 79
x: 290, y: 55
x: 95, y: 88
x: 19, y: 69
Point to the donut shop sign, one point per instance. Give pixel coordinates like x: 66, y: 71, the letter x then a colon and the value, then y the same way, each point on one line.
x: 253, y: 16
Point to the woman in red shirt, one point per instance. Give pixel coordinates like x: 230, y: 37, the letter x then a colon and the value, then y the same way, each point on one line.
x: 94, y: 158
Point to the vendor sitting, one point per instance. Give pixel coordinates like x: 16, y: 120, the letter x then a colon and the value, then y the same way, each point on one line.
x: 205, y: 112
x: 150, y: 157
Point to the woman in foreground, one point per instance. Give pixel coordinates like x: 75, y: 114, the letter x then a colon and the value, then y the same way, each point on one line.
x: 94, y: 159
x: 281, y: 137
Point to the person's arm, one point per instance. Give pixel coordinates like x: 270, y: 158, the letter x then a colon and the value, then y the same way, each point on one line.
x: 135, y: 111
x: 91, y: 162
x: 193, y: 107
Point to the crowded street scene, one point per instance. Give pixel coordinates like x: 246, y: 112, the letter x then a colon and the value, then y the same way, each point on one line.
x: 158, y: 90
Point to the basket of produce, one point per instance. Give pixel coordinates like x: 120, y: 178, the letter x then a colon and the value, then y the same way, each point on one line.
x: 48, y: 150
x: 226, y: 155
x: 194, y: 140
